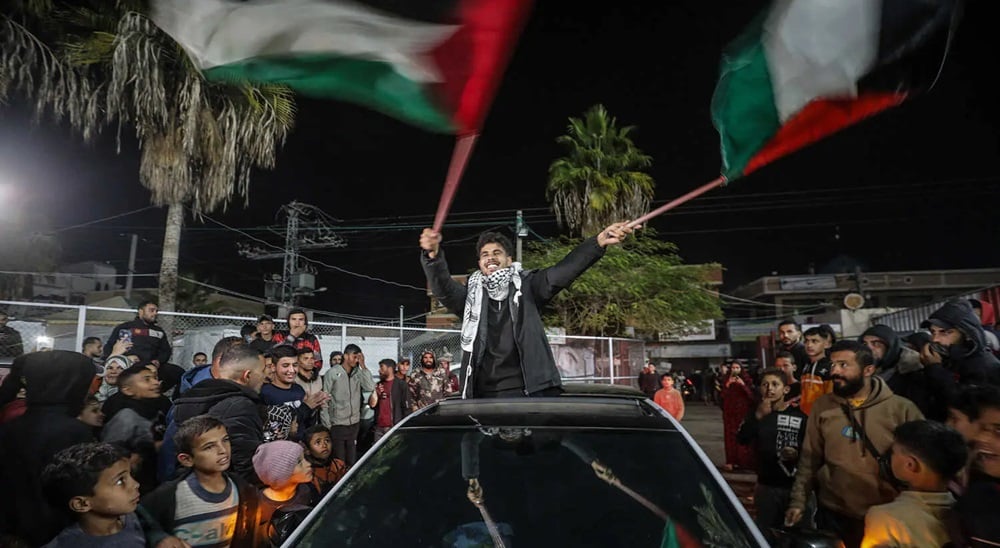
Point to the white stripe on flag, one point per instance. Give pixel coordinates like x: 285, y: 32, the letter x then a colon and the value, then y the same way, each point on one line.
x: 221, y: 32
x: 819, y: 49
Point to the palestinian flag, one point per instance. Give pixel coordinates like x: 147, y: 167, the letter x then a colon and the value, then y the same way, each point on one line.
x: 430, y: 63
x: 808, y: 68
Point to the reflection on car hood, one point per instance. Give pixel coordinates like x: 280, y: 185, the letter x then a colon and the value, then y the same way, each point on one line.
x: 575, y: 411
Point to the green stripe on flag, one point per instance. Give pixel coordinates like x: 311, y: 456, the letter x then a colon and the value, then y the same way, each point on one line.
x: 743, y: 107
x: 371, y: 83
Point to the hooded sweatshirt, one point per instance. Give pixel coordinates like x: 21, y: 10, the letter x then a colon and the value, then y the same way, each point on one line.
x: 57, y: 382
x: 836, y: 460
x: 971, y: 361
x: 929, y: 388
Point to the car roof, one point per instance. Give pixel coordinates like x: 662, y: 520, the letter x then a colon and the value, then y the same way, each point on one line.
x: 594, y: 406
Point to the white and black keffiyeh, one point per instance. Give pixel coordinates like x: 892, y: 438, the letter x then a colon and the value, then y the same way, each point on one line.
x: 497, y: 287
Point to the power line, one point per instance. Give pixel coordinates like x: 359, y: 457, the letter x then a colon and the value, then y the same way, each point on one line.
x: 101, y: 220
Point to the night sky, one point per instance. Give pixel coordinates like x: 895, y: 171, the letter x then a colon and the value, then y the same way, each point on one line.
x: 913, y: 188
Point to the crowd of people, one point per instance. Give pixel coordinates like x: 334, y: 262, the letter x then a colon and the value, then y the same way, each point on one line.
x: 884, y: 440
x: 100, y: 450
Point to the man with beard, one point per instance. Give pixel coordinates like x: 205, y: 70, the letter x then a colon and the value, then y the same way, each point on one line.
x: 505, y: 352
x: 930, y: 388
x: 957, y: 338
x: 790, y: 340
x: 835, y: 457
x: 429, y: 383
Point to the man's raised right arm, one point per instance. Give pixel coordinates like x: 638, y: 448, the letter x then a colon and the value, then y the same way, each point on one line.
x: 443, y: 286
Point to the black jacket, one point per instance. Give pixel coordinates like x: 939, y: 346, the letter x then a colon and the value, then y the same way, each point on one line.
x: 930, y: 388
x: 161, y: 507
x: 149, y: 341
x: 238, y: 407
x: 971, y: 361
x: 538, y: 287
x: 57, y: 383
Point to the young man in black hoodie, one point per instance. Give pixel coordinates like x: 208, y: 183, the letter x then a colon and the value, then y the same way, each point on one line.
x: 930, y: 388
x: 57, y: 383
x: 957, y: 337
x: 505, y: 351
x: 233, y: 398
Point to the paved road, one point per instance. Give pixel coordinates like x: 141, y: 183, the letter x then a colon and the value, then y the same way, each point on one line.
x: 704, y: 423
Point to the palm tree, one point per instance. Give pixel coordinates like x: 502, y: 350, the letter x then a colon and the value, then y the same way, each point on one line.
x: 600, y: 180
x: 105, y: 63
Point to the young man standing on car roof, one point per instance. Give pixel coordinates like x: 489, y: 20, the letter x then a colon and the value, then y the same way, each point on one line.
x: 505, y: 351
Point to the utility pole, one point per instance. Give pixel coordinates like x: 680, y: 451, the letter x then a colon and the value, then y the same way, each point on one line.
x: 400, y: 331
x: 522, y: 232
x: 306, y: 228
x: 131, y: 266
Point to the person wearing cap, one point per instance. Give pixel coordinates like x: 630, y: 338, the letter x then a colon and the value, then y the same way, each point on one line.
x: 265, y: 334
x: 282, y: 467
x: 957, y: 337
x: 929, y: 387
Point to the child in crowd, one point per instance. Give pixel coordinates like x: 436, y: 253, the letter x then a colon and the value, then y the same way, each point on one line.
x: 91, y: 415
x: 977, y: 507
x: 139, y: 416
x: 925, y: 455
x: 205, y: 506
x: 283, y: 468
x: 327, y: 469
x: 280, y: 423
x: 777, y: 429
x: 92, y: 482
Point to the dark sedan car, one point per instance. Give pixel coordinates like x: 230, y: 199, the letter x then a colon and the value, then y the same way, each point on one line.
x: 583, y: 469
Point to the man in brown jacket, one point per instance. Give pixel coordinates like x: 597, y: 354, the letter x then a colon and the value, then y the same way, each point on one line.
x: 835, y: 458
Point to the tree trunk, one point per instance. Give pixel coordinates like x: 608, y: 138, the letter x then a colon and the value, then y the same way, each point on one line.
x: 171, y: 252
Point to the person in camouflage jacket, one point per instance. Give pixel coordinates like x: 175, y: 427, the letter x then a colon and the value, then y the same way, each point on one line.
x: 430, y: 383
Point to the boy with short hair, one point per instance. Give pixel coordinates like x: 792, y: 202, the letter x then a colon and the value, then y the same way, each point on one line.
x: 205, y: 506
x: 92, y: 482
x: 925, y: 455
x: 327, y: 470
x: 815, y: 376
x: 977, y: 507
x: 91, y: 415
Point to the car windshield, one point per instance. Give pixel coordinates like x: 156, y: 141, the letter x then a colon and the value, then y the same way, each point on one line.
x: 463, y: 487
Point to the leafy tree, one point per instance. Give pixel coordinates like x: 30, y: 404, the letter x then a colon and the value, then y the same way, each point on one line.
x: 104, y: 63
x: 600, y: 180
x: 642, y: 284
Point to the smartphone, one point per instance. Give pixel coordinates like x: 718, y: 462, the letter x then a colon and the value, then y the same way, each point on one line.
x: 125, y: 335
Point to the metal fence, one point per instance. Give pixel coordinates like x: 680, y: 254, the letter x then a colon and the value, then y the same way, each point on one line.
x: 909, y: 320
x: 579, y: 358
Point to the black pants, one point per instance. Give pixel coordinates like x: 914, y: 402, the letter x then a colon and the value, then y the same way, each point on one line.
x: 519, y: 393
x: 345, y: 443
x: 850, y: 529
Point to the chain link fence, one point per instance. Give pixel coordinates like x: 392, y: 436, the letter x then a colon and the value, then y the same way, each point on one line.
x: 579, y: 359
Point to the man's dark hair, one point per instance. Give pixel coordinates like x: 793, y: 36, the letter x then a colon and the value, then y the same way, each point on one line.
x: 125, y: 376
x: 295, y: 311
x: 239, y: 353
x: 247, y: 329
x: 973, y: 399
x: 790, y: 322
x: 225, y: 344
x: 861, y: 352
x: 352, y: 349
x: 147, y: 302
x: 775, y: 372
x: 493, y: 238
x: 190, y: 429
x: 196, y: 354
x: 74, y: 471
x: 90, y: 340
x: 940, y: 447
x: 304, y: 350
x: 283, y: 351
x: 335, y: 353
x: 787, y: 355
x: 388, y: 361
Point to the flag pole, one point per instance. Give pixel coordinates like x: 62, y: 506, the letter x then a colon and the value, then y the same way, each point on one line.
x: 679, y: 201
x: 459, y: 158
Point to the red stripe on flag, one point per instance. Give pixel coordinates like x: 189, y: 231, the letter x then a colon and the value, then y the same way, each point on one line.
x: 819, y: 119
x: 473, y: 59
